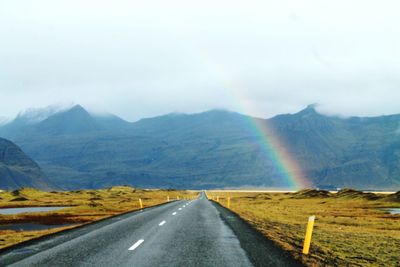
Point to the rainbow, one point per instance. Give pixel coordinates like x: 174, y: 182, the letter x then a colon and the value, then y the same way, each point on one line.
x: 290, y: 171
x: 292, y: 175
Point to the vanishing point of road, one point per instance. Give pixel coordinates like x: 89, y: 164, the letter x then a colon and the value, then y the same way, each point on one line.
x: 179, y: 233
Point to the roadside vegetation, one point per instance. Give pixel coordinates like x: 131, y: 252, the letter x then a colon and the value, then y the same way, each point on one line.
x: 352, y: 228
x: 83, y: 206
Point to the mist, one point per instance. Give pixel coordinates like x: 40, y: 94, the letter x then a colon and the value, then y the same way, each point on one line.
x: 143, y: 59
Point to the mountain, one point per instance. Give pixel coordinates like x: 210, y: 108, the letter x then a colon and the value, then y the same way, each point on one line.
x: 212, y: 149
x: 18, y: 170
x: 35, y: 115
x: 3, y: 120
x: 353, y: 152
x: 73, y: 121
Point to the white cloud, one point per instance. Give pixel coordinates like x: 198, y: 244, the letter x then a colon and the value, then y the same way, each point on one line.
x: 145, y: 58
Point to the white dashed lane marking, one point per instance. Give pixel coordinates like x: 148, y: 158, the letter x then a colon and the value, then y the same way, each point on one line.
x: 136, y: 244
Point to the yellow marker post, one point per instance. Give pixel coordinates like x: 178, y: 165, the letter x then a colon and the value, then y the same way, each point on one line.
x: 167, y: 198
x: 177, y: 197
x: 229, y: 202
x: 217, y: 198
x: 307, y: 240
x: 140, y: 203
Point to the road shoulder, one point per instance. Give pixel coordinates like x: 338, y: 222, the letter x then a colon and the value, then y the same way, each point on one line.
x: 260, y: 250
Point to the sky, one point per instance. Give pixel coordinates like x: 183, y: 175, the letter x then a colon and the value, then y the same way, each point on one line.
x: 146, y: 58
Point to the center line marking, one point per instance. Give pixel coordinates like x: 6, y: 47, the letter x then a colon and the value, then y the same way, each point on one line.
x: 136, y: 244
x: 174, y: 213
x: 162, y: 223
x: 180, y: 209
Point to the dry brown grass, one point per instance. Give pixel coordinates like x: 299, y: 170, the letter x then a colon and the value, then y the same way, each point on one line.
x: 84, y: 206
x: 351, y: 229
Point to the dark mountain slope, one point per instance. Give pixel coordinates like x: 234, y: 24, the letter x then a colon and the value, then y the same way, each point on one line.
x: 354, y: 152
x: 212, y: 149
x: 18, y: 170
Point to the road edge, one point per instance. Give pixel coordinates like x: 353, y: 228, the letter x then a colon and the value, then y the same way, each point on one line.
x: 257, y: 252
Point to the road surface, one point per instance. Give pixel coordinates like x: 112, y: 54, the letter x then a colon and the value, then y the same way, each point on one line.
x: 180, y: 233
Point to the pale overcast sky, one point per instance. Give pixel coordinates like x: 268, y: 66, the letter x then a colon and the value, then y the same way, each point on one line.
x: 145, y: 58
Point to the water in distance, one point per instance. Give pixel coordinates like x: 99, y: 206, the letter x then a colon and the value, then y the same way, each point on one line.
x: 11, y: 211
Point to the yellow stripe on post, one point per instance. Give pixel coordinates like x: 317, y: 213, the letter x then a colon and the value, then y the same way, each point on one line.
x: 140, y: 203
x: 307, y: 240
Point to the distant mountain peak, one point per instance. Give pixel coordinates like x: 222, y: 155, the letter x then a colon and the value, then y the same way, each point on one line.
x: 219, y: 110
x: 71, y: 121
x: 36, y: 115
x: 309, y: 110
x: 216, y: 113
x: 211, y: 111
x: 312, y: 106
x: 78, y: 109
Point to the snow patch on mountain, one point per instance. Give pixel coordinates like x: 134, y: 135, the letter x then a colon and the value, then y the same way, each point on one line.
x: 36, y: 115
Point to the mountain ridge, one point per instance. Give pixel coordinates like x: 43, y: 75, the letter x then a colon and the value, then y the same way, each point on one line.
x: 212, y: 149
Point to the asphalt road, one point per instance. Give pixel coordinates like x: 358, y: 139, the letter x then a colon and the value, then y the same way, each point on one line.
x: 180, y: 233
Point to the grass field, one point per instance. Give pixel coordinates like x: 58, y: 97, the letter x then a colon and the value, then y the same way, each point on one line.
x: 84, y: 206
x: 351, y: 228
